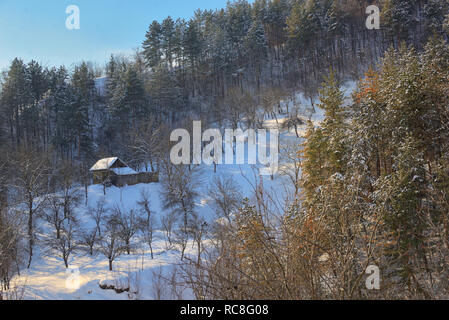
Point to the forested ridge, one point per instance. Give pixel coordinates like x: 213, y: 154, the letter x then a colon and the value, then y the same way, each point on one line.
x: 245, y: 53
x: 374, y: 182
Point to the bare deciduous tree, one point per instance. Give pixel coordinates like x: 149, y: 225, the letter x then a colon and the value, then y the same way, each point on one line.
x: 70, y: 195
x: 98, y: 213
x: 291, y: 163
x: 178, y: 195
x: 198, y: 231
x: 31, y: 185
x: 167, y: 223
x: 110, y: 243
x: 147, y: 223
x: 225, y: 196
x: 68, y: 242
x: 147, y: 144
x: 129, y: 223
x: 89, y: 238
x: 54, y: 214
x: 10, y: 246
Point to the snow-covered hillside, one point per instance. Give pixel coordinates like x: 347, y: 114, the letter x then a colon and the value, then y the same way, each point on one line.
x: 48, y: 277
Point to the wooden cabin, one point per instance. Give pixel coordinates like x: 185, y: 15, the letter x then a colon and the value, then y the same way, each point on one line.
x: 116, y: 172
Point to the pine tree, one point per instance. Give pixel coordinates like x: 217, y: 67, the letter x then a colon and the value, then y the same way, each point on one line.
x: 238, y: 21
x: 168, y: 40
x: 37, y: 83
x: 368, y: 131
x: 334, y: 125
x: 275, y: 22
x: 256, y: 48
x: 129, y: 101
x: 167, y: 97
x: 434, y: 12
x: 313, y: 162
x: 15, y: 97
x: 446, y: 24
x: 402, y: 15
x: 83, y: 84
x: 387, y: 18
x: 404, y: 194
x: 152, y: 45
x: 192, y: 44
x: 62, y: 112
x: 178, y: 49
x: 303, y: 24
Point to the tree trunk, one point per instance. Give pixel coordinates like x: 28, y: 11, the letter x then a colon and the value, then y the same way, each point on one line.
x: 30, y: 238
x: 182, y: 252
x: 199, y: 250
x: 86, y: 190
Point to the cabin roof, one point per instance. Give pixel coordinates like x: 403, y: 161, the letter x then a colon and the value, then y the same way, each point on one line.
x: 104, y: 164
x: 124, y: 171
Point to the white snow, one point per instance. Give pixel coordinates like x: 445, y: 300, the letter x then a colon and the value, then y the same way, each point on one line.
x: 48, y: 278
x: 123, y: 171
x: 103, y: 164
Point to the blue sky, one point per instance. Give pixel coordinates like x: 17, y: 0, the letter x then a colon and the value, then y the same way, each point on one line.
x: 36, y: 29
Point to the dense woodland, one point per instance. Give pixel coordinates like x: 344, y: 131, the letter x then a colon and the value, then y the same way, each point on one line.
x: 373, y: 191
x: 374, y: 183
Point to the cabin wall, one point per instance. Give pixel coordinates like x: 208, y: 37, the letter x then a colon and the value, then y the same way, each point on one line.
x: 100, y: 176
x: 130, y: 180
x: 148, y: 177
x: 120, y: 181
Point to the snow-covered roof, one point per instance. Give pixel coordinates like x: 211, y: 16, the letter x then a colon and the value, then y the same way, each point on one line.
x: 107, y: 163
x: 104, y: 164
x: 123, y: 171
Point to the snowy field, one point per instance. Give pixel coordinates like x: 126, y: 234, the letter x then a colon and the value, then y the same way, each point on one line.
x: 49, y: 279
x: 46, y: 279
